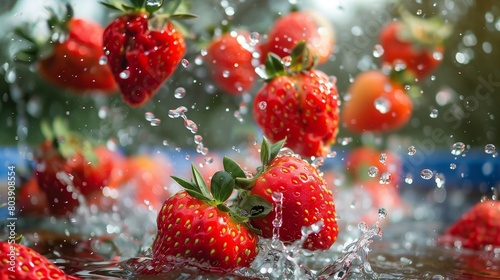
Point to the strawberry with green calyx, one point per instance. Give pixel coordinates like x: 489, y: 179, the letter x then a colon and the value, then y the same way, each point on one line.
x: 143, y: 47
x: 306, y: 198
x: 416, y: 42
x: 21, y: 262
x: 69, y: 166
x: 196, y: 227
x: 71, y: 56
x: 298, y: 103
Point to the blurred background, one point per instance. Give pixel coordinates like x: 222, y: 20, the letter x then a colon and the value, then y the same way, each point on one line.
x: 465, y: 89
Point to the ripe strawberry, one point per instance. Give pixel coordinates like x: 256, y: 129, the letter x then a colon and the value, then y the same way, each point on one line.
x: 68, y: 166
x: 294, y: 27
x: 376, y: 103
x: 478, y: 227
x: 231, y: 62
x: 359, y: 160
x: 299, y: 104
x: 23, y: 263
x: 142, y: 50
x: 416, y: 42
x: 72, y: 61
x: 306, y: 198
x: 196, y: 227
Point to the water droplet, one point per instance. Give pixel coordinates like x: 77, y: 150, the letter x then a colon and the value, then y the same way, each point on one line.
x: 237, y: 115
x: 372, y: 171
x: 434, y: 113
x: 363, y: 226
x: 412, y: 150
x: 426, y: 174
x: 261, y: 72
x: 165, y: 143
x: 332, y: 154
x: 149, y: 116
x: 254, y: 38
x: 103, y: 112
x: 489, y: 149
x: 382, y: 213
x: 262, y: 105
x: 385, y: 178
x: 437, y: 56
x: 153, y: 3
x: 191, y: 126
x: 440, y: 180
x: 409, y: 179
x: 198, y: 139
x: 155, y: 122
x: 457, y: 148
x: 345, y: 141
x: 453, y: 166
x: 378, y: 51
x: 383, y: 157
x: 180, y: 92
x: 419, y: 12
x: 103, y: 60
x: 185, y: 63
x: 124, y: 74
x: 382, y: 105
x: 225, y: 73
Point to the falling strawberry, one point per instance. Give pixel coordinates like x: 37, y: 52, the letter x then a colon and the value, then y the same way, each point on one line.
x: 415, y: 42
x: 376, y: 103
x: 71, y: 58
x: 23, y: 263
x: 306, y: 200
x: 231, y: 62
x: 143, y: 48
x: 68, y: 167
x: 294, y: 27
x: 478, y: 227
x: 298, y: 103
x: 196, y: 227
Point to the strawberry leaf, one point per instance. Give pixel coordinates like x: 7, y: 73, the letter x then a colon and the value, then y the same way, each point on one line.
x: 274, y: 67
x: 200, y: 182
x: 222, y: 186
x: 189, y: 186
x: 276, y: 148
x: 109, y: 6
x: 233, y: 168
x: 265, y: 152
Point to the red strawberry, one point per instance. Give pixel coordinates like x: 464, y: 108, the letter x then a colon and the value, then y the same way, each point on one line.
x: 300, y: 104
x: 478, y: 227
x: 306, y: 198
x: 231, y: 62
x: 142, y: 50
x: 196, y: 227
x: 74, y: 59
x: 294, y: 27
x: 376, y: 103
x: 68, y: 166
x: 23, y: 263
x: 416, y: 42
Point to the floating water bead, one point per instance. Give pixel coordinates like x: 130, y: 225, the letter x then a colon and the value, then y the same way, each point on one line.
x: 457, y: 148
x: 426, y: 174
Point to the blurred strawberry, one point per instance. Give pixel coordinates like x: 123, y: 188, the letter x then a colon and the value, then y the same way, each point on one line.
x: 68, y: 166
x: 416, y: 42
x: 71, y: 57
x: 478, y: 227
x: 231, y: 62
x: 290, y: 29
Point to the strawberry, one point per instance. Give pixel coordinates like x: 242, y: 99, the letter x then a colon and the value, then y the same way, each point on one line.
x: 23, y: 263
x: 73, y: 60
x: 416, y: 42
x: 306, y: 198
x: 479, y: 226
x: 231, y: 62
x: 376, y: 103
x: 67, y: 166
x: 196, y: 227
x: 294, y: 27
x: 298, y: 103
x: 142, y: 49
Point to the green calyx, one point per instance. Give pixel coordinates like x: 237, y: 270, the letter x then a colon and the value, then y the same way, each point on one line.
x: 67, y: 142
x: 57, y: 25
x: 174, y: 9
x: 300, y: 60
x: 423, y: 32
